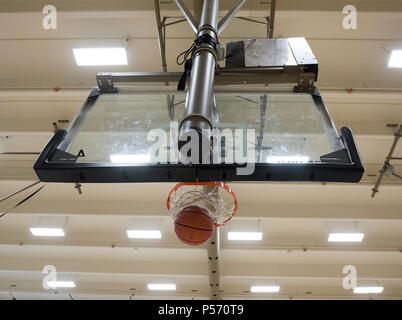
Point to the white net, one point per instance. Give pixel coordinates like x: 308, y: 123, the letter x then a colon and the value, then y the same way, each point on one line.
x: 219, y: 203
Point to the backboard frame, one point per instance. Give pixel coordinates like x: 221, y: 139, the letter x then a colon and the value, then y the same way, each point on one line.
x: 347, y: 168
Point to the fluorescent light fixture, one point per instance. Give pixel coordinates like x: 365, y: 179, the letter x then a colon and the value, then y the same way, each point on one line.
x: 251, y: 236
x: 130, y: 158
x: 61, y: 284
x: 395, y: 61
x: 47, y: 232
x: 265, y: 289
x: 368, y: 289
x: 345, y: 237
x: 287, y: 159
x: 144, y: 234
x: 162, y: 286
x: 100, y: 56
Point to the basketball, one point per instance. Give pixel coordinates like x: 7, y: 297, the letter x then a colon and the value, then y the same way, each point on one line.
x: 193, y: 225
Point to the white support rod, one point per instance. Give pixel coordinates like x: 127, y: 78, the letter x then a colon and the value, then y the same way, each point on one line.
x: 197, y: 9
x: 187, y: 14
x: 213, y: 265
x: 213, y: 251
x: 271, y: 21
x: 228, y: 17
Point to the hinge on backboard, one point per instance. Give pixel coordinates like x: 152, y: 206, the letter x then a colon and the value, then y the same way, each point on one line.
x: 105, y: 82
x: 305, y: 83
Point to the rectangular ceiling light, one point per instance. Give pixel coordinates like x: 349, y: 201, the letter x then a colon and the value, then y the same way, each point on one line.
x: 61, y: 284
x: 368, y: 289
x: 144, y: 234
x: 130, y: 158
x: 248, y: 236
x: 287, y: 159
x: 162, y: 286
x: 47, y: 232
x: 265, y: 289
x: 345, y: 237
x: 100, y: 56
x: 395, y: 61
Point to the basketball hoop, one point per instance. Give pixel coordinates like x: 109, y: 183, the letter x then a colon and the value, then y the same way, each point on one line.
x: 220, y: 205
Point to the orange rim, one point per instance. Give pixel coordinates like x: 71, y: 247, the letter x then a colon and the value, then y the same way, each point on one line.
x: 219, y: 184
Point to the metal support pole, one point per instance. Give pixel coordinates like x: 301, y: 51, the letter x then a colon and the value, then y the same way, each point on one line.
x: 197, y: 5
x: 187, y: 14
x: 228, y: 17
x: 198, y: 112
x: 19, y: 191
x: 254, y: 21
x: 272, y: 20
x: 162, y: 51
x: 387, y: 164
x: 213, y: 252
x: 161, y: 39
x: 263, y: 110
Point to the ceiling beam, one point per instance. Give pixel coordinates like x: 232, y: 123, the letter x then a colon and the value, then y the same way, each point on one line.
x: 120, y: 244
x: 124, y: 295
x: 199, y: 269
x: 351, y: 212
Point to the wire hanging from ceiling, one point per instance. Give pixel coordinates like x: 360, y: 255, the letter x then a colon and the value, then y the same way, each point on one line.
x: 23, y: 200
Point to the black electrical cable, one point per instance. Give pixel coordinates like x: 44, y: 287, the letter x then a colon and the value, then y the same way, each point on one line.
x: 204, y: 39
x: 19, y: 191
x: 23, y: 200
x: 238, y: 50
x: 185, y: 55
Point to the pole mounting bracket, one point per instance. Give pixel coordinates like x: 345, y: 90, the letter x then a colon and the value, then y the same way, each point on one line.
x: 305, y: 83
x: 105, y: 82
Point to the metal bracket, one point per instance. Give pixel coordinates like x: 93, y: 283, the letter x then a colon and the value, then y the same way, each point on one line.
x: 390, y: 171
x: 305, y: 83
x: 387, y: 167
x: 220, y: 52
x: 196, y: 115
x: 62, y: 156
x: 78, y: 186
x: 55, y: 127
x: 339, y: 156
x: 206, y: 47
x: 171, y: 104
x: 105, y: 82
x: 95, y: 93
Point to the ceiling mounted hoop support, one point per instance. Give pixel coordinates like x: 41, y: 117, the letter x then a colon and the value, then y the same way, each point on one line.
x: 192, y: 21
x: 387, y: 163
x: 200, y: 90
x: 207, y: 27
x: 229, y: 16
x: 195, y: 116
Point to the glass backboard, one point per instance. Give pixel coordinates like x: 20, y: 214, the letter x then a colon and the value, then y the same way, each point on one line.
x: 132, y: 137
